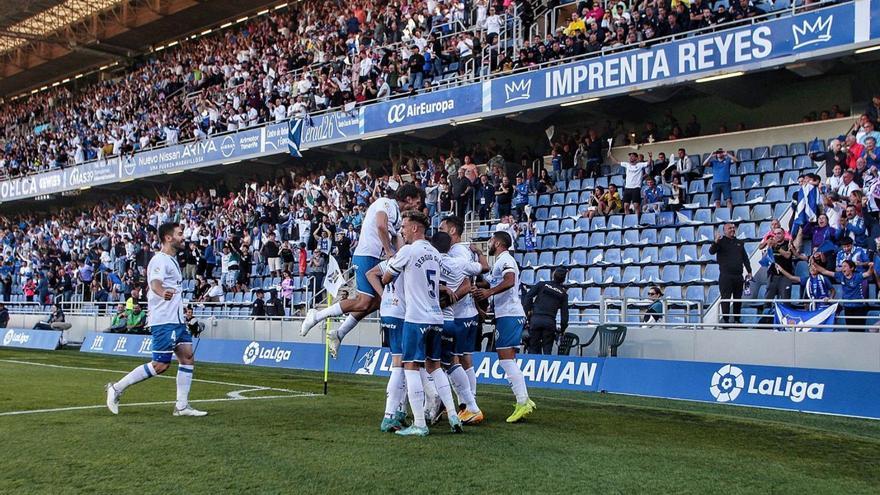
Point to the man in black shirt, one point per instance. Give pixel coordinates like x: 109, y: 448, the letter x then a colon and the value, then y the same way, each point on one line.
x: 270, y: 252
x: 274, y: 306
x: 4, y: 316
x: 732, y: 258
x: 778, y: 285
x: 258, y: 307
x: 541, y: 304
x: 416, y: 64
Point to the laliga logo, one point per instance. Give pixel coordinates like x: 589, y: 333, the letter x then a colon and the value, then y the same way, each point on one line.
x: 809, y: 34
x: 518, y: 90
x: 15, y: 338
x: 253, y: 351
x: 728, y: 382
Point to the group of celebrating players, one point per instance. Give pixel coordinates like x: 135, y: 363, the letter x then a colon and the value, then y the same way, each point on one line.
x: 425, y: 292
x: 426, y: 301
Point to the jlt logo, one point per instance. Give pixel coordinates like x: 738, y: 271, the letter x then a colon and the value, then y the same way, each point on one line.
x: 120, y: 344
x: 98, y: 343
x: 146, y: 346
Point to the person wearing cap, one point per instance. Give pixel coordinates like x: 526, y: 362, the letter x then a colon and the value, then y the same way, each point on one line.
x: 541, y: 304
x: 720, y: 163
x: 258, y: 307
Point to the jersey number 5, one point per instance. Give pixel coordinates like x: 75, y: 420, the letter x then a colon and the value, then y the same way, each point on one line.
x: 431, y: 276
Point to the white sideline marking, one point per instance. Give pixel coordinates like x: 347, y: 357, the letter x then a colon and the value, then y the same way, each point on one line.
x: 167, y: 402
x: 104, y: 370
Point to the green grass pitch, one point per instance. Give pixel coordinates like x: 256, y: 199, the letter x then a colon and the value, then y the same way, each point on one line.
x: 288, y: 438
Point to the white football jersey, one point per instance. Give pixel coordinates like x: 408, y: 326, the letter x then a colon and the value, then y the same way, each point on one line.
x: 453, y: 272
x: 418, y: 264
x: 393, y: 298
x: 159, y: 311
x: 465, y: 307
x: 368, y: 242
x: 508, y: 302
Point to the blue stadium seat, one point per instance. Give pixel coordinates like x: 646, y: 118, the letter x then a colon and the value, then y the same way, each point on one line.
x: 613, y: 256
x: 649, y: 255
x: 595, y: 255
x: 766, y: 165
x: 696, y: 186
x: 527, y: 276
x: 771, y: 179
x: 630, y: 256
x: 631, y: 275
x: 542, y: 213
x: 561, y: 185
x: 691, y: 273
x: 601, y: 182
x: 579, y: 256
x: 744, y: 154
x: 672, y: 292
x: 594, y: 275
x: 588, y: 184
x: 797, y: 149
x: 614, y: 238
x: 670, y: 274
x: 574, y: 185
x: 584, y: 197
x: 668, y: 254
x: 736, y: 182
x: 761, y: 152
x: 792, y: 191
x: 545, y: 259
x: 615, y: 222
x: 648, y: 219
x: 779, y: 209
x: 784, y: 163
x: 702, y: 200
x: 571, y: 198
x: 617, y: 180
x: 542, y: 275
x: 711, y: 272
x: 687, y: 235
x: 562, y: 258
x: 668, y: 236
x: 751, y: 181
x: 778, y: 150
x: 649, y: 236
x: 747, y: 231
x: 775, y: 195
x: 575, y: 295
x: 567, y: 225
x: 704, y: 253
x: 712, y: 295
x: 555, y: 212
x: 564, y: 241
x: 583, y: 224
x: 630, y: 221
x: 790, y: 177
x: 739, y: 197
x: 576, y: 276
x: 650, y: 274
x: 740, y: 212
x: 570, y: 211
x: 761, y: 212
x: 582, y: 239
x: 530, y: 259
x: 802, y: 162
x: 598, y: 223
x: 541, y: 226
x: 597, y: 239
x: 693, y: 292
x: 544, y: 200
x: 611, y: 275
x: 632, y: 292
x: 687, y: 253
x: 558, y: 198
x: 704, y: 215
x: 518, y: 257
x: 723, y: 215
x: 747, y: 167
x: 630, y: 237
x: 611, y: 293
x: 548, y: 242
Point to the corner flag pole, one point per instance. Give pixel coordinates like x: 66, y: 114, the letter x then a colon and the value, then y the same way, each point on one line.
x: 327, y: 345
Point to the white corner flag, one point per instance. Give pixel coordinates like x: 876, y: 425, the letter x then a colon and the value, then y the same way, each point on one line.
x: 333, y: 280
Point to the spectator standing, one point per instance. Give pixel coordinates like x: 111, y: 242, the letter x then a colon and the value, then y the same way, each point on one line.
x: 270, y: 252
x: 720, y: 163
x: 730, y: 253
x: 521, y: 198
x: 258, y: 307
x: 504, y: 197
x: 632, y: 188
x: 853, y: 291
x: 485, y: 197
x: 4, y: 316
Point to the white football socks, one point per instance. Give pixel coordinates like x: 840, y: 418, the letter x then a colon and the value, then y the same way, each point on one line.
x: 516, y: 379
x: 472, y: 380
x: 459, y: 380
x: 428, y: 385
x: 184, y: 381
x: 334, y: 310
x: 347, y: 326
x: 394, y: 392
x: 138, y: 374
x: 441, y: 382
x: 416, y: 395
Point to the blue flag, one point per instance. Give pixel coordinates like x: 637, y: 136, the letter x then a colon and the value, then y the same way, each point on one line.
x: 815, y: 147
x: 294, y: 137
x: 790, y: 319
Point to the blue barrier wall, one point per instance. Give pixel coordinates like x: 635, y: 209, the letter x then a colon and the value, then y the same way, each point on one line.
x: 30, y: 339
x: 850, y: 393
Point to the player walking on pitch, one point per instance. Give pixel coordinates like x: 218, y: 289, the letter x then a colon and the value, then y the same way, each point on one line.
x: 377, y: 240
x: 165, y: 319
x: 509, y: 319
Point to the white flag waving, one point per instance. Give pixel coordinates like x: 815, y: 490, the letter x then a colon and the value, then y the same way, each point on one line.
x: 333, y: 281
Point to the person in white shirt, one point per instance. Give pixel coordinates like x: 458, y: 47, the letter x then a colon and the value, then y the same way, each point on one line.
x: 836, y: 179
x: 509, y: 319
x: 384, y: 90
x: 167, y: 326
x: 848, y: 185
x: 632, y: 188
x: 280, y: 111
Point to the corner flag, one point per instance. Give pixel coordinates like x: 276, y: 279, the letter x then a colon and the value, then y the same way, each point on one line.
x: 333, y: 280
x: 294, y: 137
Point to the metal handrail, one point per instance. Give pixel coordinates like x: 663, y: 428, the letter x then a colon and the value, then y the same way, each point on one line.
x: 468, y: 77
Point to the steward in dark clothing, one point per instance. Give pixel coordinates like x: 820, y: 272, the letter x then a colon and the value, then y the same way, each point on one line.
x: 541, y: 304
x: 732, y: 258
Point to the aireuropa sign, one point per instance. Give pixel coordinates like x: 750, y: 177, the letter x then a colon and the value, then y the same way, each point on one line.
x: 30, y: 339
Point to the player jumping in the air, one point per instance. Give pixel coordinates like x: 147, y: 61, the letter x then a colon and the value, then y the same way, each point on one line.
x: 509, y: 319
x: 377, y: 240
x: 165, y: 319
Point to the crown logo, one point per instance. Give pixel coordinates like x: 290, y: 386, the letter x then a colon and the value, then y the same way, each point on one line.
x: 819, y: 31
x: 518, y: 90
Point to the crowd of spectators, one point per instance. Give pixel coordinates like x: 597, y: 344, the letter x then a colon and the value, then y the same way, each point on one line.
x: 312, y: 56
